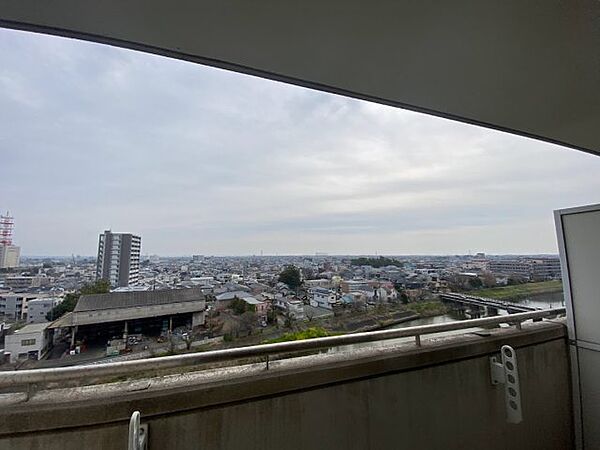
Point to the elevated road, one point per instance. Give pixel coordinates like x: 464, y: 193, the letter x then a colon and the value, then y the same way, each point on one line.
x: 486, y: 302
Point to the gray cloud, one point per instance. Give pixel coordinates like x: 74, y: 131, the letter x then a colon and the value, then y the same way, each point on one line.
x: 199, y: 160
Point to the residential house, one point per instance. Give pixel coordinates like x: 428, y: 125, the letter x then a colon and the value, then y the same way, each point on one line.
x: 322, y: 298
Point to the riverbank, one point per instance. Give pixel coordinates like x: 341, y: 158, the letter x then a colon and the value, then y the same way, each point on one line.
x: 383, y: 316
x: 379, y: 323
x: 519, y: 291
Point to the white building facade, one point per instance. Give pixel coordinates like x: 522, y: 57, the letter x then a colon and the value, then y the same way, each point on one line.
x: 322, y: 298
x: 10, y: 256
x: 30, y: 342
x: 37, y: 309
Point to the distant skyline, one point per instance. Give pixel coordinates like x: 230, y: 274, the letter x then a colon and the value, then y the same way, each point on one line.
x: 199, y: 160
x: 295, y: 255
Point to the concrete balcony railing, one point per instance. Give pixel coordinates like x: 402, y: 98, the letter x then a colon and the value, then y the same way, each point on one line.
x: 426, y: 393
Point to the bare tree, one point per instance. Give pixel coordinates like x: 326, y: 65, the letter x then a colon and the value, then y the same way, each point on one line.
x: 310, y: 315
x: 188, y: 338
x: 289, y: 319
x: 488, y: 279
x: 231, y: 327
x: 248, y: 321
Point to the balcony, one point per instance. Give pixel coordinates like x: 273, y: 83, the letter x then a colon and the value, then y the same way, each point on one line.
x: 527, y: 68
x: 405, y: 388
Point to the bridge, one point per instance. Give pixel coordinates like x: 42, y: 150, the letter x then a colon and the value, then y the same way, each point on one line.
x: 483, y: 302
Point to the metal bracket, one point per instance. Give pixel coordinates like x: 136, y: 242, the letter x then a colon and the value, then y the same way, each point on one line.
x: 30, y: 391
x: 138, y: 433
x: 507, y: 373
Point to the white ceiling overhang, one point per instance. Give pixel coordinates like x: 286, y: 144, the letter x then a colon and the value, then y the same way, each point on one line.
x: 527, y: 67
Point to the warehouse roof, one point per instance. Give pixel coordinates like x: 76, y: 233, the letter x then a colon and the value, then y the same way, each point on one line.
x: 118, y: 300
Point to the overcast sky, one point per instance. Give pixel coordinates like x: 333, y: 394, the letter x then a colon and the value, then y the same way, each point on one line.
x: 200, y: 160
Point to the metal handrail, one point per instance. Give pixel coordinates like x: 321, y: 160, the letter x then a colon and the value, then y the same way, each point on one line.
x: 22, y: 377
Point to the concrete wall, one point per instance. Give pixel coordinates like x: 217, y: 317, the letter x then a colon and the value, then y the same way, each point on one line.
x: 438, y: 396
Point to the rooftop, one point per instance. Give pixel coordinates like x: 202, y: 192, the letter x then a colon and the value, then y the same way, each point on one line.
x: 33, y: 328
x: 137, y: 298
x: 252, y: 301
x: 43, y: 300
x: 231, y: 295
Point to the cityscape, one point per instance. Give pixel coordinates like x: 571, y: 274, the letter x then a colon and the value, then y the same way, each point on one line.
x: 281, y: 225
x: 122, y: 304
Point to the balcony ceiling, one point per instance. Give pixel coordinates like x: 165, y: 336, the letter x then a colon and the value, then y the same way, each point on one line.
x: 527, y: 67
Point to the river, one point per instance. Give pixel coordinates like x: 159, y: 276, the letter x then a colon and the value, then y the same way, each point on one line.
x: 544, y: 301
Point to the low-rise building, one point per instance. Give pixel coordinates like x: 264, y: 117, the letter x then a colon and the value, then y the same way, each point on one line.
x: 531, y: 268
x: 291, y: 305
x: 223, y: 301
x: 385, y: 294
x: 296, y: 309
x: 510, y: 267
x: 545, y: 268
x: 348, y: 286
x: 17, y: 283
x: 30, y: 342
x: 100, y: 317
x: 322, y: 298
x: 38, y: 308
x: 260, y: 308
x: 14, y: 306
x: 322, y: 282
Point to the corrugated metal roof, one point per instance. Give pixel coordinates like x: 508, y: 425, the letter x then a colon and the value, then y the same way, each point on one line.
x: 116, y: 300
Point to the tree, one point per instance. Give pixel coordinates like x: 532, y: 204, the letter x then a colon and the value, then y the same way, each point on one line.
x: 488, y: 279
x: 248, y: 322
x: 271, y: 316
x: 289, y: 319
x: 97, y: 287
x: 231, y: 328
x: 67, y: 305
x: 308, y: 273
x: 475, y: 283
x: 188, y: 338
x: 376, y: 262
x: 358, y: 305
x: 238, y: 306
x: 404, y: 298
x: 516, y: 279
x: 291, y: 276
x: 70, y: 301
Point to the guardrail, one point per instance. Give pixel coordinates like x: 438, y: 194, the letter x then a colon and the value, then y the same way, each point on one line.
x: 37, y: 376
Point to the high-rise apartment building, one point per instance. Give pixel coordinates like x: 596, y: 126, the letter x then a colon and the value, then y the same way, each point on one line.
x: 118, y: 258
x: 9, y: 256
x: 9, y: 253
